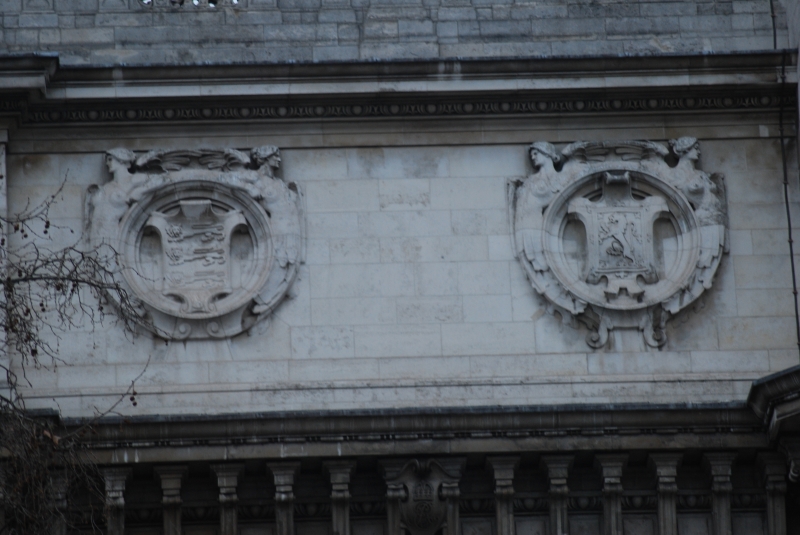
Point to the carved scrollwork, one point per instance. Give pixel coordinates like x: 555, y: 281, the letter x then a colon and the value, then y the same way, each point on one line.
x: 209, y: 241
x: 619, y: 235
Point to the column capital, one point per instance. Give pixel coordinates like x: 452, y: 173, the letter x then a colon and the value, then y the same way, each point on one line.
x: 227, y: 480
x: 283, y: 475
x: 339, y: 472
x: 719, y: 464
x: 503, y: 468
x: 773, y: 470
x: 611, y: 464
x: 557, y: 465
x: 115, y: 478
x: 171, y: 478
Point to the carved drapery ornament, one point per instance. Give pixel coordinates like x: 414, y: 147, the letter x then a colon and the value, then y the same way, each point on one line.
x: 208, y: 241
x: 614, y: 236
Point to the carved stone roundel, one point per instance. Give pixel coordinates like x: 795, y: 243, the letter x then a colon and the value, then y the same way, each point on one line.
x: 208, y: 241
x: 619, y: 235
x: 199, y: 252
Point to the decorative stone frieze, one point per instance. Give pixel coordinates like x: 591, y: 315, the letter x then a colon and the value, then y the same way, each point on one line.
x: 614, y: 235
x: 208, y: 241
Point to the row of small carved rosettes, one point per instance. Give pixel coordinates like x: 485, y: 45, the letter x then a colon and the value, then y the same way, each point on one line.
x: 406, y: 109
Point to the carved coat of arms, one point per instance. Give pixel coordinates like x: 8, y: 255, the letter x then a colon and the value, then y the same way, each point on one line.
x: 619, y: 235
x: 423, y: 496
x: 208, y: 241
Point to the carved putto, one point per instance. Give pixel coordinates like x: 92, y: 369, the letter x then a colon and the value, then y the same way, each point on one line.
x: 619, y: 235
x: 208, y: 241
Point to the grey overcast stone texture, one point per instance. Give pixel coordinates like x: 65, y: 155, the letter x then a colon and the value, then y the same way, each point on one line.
x: 117, y: 32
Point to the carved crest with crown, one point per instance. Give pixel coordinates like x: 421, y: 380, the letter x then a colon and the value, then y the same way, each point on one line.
x: 208, y: 241
x: 619, y: 235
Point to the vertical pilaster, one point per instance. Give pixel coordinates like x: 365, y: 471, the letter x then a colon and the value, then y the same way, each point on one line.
x: 667, y: 474
x: 773, y: 473
x: 558, y: 495
x: 395, y: 493
x: 5, y: 359
x: 115, y: 499
x: 451, y: 493
x: 171, y: 477
x: 2, y: 496
x: 283, y: 474
x: 227, y: 480
x: 340, y: 494
x: 611, y: 468
x: 504, y: 492
x: 720, y: 467
x: 59, y: 484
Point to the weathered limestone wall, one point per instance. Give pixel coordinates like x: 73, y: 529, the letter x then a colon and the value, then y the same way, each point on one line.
x: 410, y: 294
x: 130, y: 32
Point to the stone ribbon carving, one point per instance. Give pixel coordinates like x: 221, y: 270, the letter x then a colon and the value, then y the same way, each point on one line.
x: 619, y: 235
x: 208, y: 241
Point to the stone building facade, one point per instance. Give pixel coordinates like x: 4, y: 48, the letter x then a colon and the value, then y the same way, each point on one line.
x: 422, y: 266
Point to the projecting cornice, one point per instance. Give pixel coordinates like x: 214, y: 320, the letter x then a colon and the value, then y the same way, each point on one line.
x: 447, y: 88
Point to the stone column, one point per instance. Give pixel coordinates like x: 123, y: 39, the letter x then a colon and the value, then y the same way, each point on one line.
x: 171, y: 477
x: 227, y: 480
x: 451, y: 493
x: 721, y: 488
x: 115, y: 499
x: 395, y: 493
x: 283, y: 473
x: 340, y: 494
x: 611, y: 468
x: 504, y: 492
x: 558, y: 495
x: 2, y: 496
x: 5, y: 359
x: 773, y: 472
x: 667, y: 473
x: 59, y: 483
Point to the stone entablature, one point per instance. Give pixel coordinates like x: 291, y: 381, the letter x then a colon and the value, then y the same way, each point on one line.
x: 614, y: 236
x: 207, y: 241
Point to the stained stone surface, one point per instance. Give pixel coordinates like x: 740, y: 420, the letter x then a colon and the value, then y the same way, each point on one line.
x: 133, y: 32
x: 617, y: 238
x: 411, y: 295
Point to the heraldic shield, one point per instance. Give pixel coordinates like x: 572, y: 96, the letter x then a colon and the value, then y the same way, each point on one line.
x: 208, y: 241
x: 620, y: 235
x: 422, y: 497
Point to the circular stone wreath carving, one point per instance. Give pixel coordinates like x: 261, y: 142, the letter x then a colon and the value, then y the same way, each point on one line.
x: 614, y: 236
x: 208, y: 241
